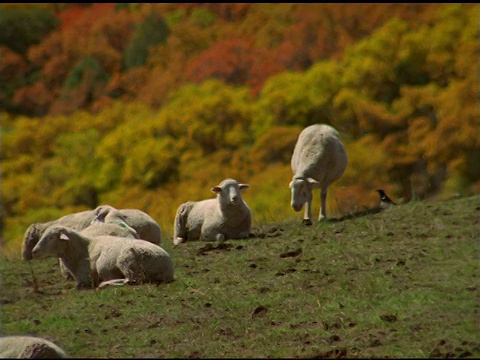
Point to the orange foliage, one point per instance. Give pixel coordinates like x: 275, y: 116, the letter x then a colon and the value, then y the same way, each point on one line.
x: 235, y: 61
x: 12, y: 64
x: 34, y: 99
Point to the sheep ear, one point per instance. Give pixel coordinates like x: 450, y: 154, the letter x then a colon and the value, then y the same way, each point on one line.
x: 313, y: 182
x: 243, y: 186
x: 216, y: 189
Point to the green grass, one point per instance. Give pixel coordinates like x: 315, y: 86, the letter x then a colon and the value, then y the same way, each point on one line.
x: 401, y: 283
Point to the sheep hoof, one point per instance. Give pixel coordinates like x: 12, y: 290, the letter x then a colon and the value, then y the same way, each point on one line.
x: 177, y: 241
x: 220, y: 238
x: 307, y: 222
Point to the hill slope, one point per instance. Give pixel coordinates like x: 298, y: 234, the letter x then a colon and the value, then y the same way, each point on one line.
x: 400, y: 283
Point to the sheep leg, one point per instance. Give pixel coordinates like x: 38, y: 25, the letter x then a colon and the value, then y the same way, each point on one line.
x: 130, y: 264
x: 64, y: 270
x: 84, y: 278
x: 307, y: 216
x: 180, y: 229
x: 323, y: 205
x: 115, y: 282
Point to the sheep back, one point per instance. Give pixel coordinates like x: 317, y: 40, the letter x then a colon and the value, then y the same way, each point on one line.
x: 29, y: 347
x: 147, y: 228
x: 319, y: 154
x: 137, y: 260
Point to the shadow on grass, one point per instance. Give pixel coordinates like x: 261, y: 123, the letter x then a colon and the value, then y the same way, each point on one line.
x: 357, y: 214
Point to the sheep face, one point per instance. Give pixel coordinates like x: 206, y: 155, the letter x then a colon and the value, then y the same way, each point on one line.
x: 51, y: 243
x: 301, y: 192
x: 229, y: 191
x: 102, y: 211
x: 32, y: 235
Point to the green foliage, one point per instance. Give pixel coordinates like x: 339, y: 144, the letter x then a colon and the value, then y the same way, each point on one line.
x: 153, y: 31
x: 87, y: 67
x: 203, y: 17
x: 220, y: 121
x: 275, y: 146
x: 298, y: 98
x: 21, y: 28
x: 152, y: 162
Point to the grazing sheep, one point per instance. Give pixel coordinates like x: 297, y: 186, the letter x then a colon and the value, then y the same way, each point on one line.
x: 144, y: 225
x: 225, y: 217
x: 319, y: 158
x: 94, y: 259
x: 29, y: 347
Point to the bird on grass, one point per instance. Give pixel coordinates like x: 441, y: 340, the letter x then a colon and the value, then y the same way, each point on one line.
x: 385, y: 201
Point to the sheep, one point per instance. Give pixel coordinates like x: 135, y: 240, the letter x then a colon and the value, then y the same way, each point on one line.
x: 29, y: 347
x: 319, y: 158
x: 118, y: 228
x: 96, y: 259
x: 225, y: 217
x: 77, y: 221
x: 146, y: 227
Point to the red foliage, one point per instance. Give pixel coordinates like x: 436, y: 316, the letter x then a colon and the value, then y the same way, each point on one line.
x: 12, y: 64
x: 229, y: 11
x: 235, y: 61
x: 82, y: 15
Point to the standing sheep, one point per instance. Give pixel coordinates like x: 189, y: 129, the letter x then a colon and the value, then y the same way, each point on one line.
x: 29, y: 347
x: 97, y: 259
x: 225, y: 217
x: 319, y: 158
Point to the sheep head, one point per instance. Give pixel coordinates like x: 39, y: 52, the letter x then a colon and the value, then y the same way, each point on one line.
x: 301, y: 191
x: 229, y: 191
x: 52, y: 242
x: 31, y: 238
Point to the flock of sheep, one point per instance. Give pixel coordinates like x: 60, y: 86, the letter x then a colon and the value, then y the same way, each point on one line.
x: 107, y: 246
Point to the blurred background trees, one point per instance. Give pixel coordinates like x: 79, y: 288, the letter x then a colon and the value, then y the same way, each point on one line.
x: 149, y: 105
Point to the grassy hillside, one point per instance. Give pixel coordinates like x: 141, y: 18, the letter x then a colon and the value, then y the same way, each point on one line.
x: 399, y: 283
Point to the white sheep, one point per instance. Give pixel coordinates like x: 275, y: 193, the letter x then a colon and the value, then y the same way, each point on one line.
x: 29, y: 347
x: 77, y: 221
x: 97, y: 228
x: 97, y: 259
x: 319, y: 158
x: 225, y: 217
x: 147, y: 228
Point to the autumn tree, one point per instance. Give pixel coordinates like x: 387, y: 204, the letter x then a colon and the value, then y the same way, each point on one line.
x: 22, y: 27
x: 153, y: 31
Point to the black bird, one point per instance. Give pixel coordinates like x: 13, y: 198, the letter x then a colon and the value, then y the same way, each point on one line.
x: 385, y: 201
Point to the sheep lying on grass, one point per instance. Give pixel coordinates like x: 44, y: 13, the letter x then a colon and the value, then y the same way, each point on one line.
x: 117, y: 228
x: 96, y: 259
x: 77, y: 221
x: 29, y: 347
x: 319, y: 158
x: 225, y: 217
x: 147, y: 228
